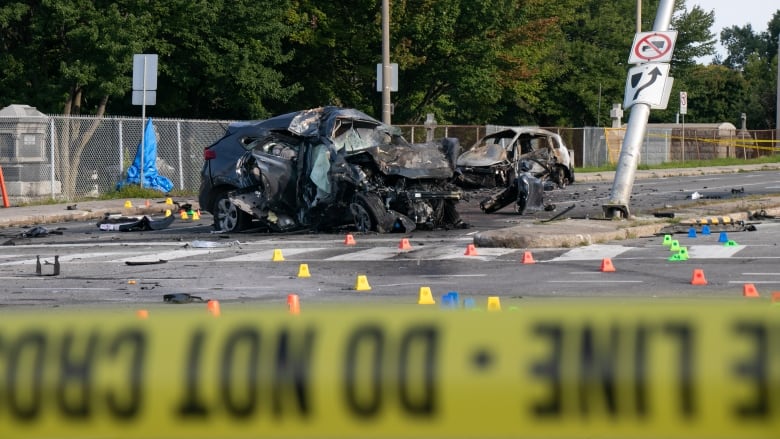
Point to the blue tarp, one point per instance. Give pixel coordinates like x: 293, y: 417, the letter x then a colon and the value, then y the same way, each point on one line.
x: 152, y: 180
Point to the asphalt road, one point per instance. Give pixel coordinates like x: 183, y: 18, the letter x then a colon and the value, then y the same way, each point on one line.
x: 137, y: 268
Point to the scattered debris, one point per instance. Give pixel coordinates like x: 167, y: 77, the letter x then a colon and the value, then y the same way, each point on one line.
x: 119, y: 223
x: 181, y: 298
x: 39, y: 232
x: 568, y: 209
x: 760, y: 215
x: 39, y: 266
x: 664, y: 214
x: 738, y: 191
x: 159, y: 261
x: 71, y: 207
x: 212, y: 244
x: 700, y: 196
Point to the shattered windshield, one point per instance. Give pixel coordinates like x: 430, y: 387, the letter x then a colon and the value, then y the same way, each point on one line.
x: 357, y: 135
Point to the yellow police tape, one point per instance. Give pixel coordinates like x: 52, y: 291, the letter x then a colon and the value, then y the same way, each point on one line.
x: 542, y: 371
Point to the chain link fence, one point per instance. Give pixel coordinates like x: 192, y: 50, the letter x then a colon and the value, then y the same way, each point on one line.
x: 74, y: 158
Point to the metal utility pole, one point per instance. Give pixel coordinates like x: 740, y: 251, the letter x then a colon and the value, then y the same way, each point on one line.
x: 638, y: 16
x: 625, y: 173
x: 777, y: 104
x: 386, y: 68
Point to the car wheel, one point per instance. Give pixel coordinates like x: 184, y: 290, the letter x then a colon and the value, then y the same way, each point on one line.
x: 228, y: 217
x: 366, y: 210
x: 560, y: 177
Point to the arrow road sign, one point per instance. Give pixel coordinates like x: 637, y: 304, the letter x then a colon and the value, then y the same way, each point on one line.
x: 647, y: 84
x: 652, y: 47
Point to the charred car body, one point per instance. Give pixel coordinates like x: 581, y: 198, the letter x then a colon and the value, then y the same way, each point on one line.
x: 522, y: 162
x: 325, y: 168
x: 496, y: 159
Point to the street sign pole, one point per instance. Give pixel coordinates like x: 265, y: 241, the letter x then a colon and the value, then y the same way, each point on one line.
x: 144, y: 81
x: 143, y: 125
x: 625, y: 173
x: 683, y: 112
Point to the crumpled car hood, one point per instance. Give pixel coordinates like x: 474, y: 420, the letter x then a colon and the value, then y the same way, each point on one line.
x: 416, y: 161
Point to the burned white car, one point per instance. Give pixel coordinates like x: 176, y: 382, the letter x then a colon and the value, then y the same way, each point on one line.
x: 330, y: 167
x: 495, y: 160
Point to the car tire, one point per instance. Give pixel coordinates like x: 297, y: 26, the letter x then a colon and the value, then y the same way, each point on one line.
x: 366, y: 210
x: 561, y: 177
x: 228, y: 217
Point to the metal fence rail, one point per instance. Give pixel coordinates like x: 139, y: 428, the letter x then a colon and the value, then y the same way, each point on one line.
x: 73, y: 158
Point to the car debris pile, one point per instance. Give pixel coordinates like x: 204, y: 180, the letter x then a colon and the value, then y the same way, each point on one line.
x: 328, y: 167
x: 522, y: 162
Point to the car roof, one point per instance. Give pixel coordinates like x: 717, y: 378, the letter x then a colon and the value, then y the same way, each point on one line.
x: 325, y: 120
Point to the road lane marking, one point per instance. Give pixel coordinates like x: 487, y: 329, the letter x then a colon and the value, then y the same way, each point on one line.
x: 592, y: 252
x: 713, y: 251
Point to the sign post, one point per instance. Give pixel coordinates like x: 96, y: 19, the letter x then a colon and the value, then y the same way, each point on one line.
x: 648, y: 86
x: 683, y: 112
x: 144, y: 92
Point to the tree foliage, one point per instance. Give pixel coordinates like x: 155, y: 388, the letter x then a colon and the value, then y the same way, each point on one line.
x: 466, y: 61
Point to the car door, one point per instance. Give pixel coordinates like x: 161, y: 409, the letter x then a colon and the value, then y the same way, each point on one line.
x: 275, y: 169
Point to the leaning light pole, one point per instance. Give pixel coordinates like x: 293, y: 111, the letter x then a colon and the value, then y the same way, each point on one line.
x: 647, y: 87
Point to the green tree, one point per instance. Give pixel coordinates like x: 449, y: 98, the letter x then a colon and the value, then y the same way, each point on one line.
x: 221, y: 59
x: 754, y: 55
x: 593, y: 65
x: 465, y: 61
x: 695, y: 40
x: 336, y: 46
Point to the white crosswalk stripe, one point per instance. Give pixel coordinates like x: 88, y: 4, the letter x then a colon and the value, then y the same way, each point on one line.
x: 593, y: 252
x: 337, y: 251
x: 267, y: 255
x: 713, y: 251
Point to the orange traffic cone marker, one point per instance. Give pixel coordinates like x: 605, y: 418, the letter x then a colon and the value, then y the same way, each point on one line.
x: 606, y: 266
x: 749, y: 290
x: 213, y: 307
x: 528, y: 258
x: 404, y: 244
x: 698, y: 277
x: 294, y: 304
x: 775, y: 298
x: 349, y: 240
x: 471, y: 250
x: 142, y: 314
x: 148, y: 204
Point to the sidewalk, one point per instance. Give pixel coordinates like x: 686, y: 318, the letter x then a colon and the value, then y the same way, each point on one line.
x: 564, y: 233
x: 28, y: 216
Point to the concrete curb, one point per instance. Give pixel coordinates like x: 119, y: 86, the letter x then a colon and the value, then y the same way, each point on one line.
x: 564, y: 234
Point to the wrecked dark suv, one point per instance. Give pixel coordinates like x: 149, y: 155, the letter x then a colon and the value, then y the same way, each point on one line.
x: 326, y: 168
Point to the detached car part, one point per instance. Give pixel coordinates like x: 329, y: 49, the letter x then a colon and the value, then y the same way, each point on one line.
x: 527, y: 192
